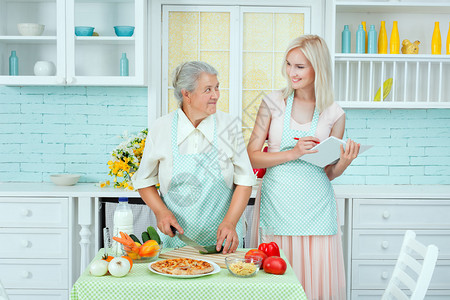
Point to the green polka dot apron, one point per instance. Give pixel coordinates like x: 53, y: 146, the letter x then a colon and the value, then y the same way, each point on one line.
x: 197, y: 195
x: 297, y: 197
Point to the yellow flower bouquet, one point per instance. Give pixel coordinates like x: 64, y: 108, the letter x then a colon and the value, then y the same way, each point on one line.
x: 125, y: 160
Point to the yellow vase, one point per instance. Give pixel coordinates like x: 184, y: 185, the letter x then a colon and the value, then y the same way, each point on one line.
x: 436, y: 40
x: 447, y: 47
x: 382, y: 39
x: 365, y: 30
x: 395, y: 40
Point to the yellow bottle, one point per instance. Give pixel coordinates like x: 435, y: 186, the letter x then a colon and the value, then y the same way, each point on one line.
x: 395, y: 40
x: 365, y: 30
x: 436, y: 40
x: 447, y: 47
x: 382, y: 39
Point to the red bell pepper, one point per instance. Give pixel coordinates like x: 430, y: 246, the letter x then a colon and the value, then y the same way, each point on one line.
x: 260, y: 172
x: 271, y: 249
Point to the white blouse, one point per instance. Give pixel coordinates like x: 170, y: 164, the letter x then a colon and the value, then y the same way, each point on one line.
x: 157, y: 160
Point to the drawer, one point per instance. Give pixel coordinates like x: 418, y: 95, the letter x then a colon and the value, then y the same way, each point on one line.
x: 401, y: 214
x: 386, y: 244
x: 34, y: 243
x: 376, y: 294
x: 375, y: 274
x: 14, y: 294
x: 34, y: 273
x: 33, y: 212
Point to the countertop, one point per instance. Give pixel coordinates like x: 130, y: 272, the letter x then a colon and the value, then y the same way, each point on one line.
x: 38, y: 189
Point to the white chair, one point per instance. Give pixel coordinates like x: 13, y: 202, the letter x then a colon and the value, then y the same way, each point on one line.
x: 3, y: 295
x: 417, y: 260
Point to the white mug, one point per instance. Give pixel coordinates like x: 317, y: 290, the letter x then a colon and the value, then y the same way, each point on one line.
x: 44, y: 68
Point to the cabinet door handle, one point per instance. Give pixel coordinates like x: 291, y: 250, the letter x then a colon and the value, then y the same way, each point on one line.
x: 386, y: 214
x: 25, y: 274
x: 25, y: 243
x: 385, y: 244
x: 385, y: 275
x: 25, y: 212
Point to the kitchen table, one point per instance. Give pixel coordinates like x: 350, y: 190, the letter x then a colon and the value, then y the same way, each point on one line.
x: 141, y: 283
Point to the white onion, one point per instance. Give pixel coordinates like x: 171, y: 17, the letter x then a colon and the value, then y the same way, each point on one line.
x: 119, y: 267
x: 99, y: 267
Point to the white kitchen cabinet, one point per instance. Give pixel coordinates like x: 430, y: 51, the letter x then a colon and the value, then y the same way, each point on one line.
x: 36, y: 294
x: 79, y: 60
x: 419, y: 81
x: 377, y: 231
x: 34, y: 258
x: 49, y: 46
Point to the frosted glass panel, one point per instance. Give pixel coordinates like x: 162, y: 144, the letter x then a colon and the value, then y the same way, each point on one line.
x: 258, y: 32
x: 183, y: 39
x: 214, y: 31
x: 220, y: 61
x: 265, y: 39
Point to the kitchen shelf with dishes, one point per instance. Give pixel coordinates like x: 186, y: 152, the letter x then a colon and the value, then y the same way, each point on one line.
x: 364, y: 80
x: 417, y: 81
x: 76, y: 60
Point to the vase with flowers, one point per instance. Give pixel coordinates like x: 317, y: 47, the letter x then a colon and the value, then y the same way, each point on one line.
x: 125, y: 160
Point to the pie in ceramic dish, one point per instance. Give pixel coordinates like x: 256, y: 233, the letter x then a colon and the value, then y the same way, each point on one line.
x: 182, y: 266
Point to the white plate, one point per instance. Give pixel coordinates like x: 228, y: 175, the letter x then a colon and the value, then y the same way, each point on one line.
x: 216, y: 270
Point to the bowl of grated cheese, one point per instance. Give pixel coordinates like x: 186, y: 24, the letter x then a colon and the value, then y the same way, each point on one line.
x: 243, y: 267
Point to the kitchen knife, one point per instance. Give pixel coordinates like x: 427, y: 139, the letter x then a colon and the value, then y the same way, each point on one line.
x: 188, y: 241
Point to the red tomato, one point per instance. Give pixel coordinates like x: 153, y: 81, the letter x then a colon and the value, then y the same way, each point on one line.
x: 256, y: 253
x: 275, y: 265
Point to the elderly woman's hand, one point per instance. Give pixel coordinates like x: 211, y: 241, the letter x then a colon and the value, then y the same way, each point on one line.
x: 165, y: 219
x: 227, y: 232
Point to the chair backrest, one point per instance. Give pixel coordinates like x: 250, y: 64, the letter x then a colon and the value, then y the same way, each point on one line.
x: 413, y: 270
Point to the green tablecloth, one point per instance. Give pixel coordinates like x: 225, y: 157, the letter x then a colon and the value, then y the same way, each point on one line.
x: 141, y: 283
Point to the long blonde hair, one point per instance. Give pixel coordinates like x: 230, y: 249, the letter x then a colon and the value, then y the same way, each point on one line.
x: 316, y: 51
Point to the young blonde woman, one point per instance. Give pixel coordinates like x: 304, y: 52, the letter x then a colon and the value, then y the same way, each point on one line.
x: 296, y: 198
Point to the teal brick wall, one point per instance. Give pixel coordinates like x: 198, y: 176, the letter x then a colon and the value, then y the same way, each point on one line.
x: 411, y: 146
x: 45, y: 130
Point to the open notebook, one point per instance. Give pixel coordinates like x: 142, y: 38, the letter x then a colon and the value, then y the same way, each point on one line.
x: 329, y: 152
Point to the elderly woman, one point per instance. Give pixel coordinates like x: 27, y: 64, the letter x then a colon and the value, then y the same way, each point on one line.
x: 199, y: 158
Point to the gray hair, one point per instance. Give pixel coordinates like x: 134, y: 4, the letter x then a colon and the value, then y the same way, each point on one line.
x: 186, y: 75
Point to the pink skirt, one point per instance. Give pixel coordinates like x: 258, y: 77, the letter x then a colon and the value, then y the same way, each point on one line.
x: 317, y: 260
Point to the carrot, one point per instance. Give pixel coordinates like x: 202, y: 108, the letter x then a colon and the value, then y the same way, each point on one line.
x: 130, y: 243
x: 126, y: 236
x: 122, y: 241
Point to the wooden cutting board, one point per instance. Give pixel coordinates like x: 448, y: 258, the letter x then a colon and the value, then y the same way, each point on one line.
x: 190, y: 252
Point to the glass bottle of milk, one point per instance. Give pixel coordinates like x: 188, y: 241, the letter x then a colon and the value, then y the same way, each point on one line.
x: 123, y: 221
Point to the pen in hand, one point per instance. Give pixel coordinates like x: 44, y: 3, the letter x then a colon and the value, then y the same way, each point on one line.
x: 296, y: 138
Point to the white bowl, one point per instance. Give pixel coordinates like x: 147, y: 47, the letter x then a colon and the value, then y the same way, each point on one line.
x: 65, y: 179
x: 30, y: 29
x: 44, y: 68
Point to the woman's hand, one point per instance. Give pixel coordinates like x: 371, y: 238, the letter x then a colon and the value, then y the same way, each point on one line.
x: 304, y: 146
x: 227, y: 232
x: 164, y: 220
x: 351, y: 152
